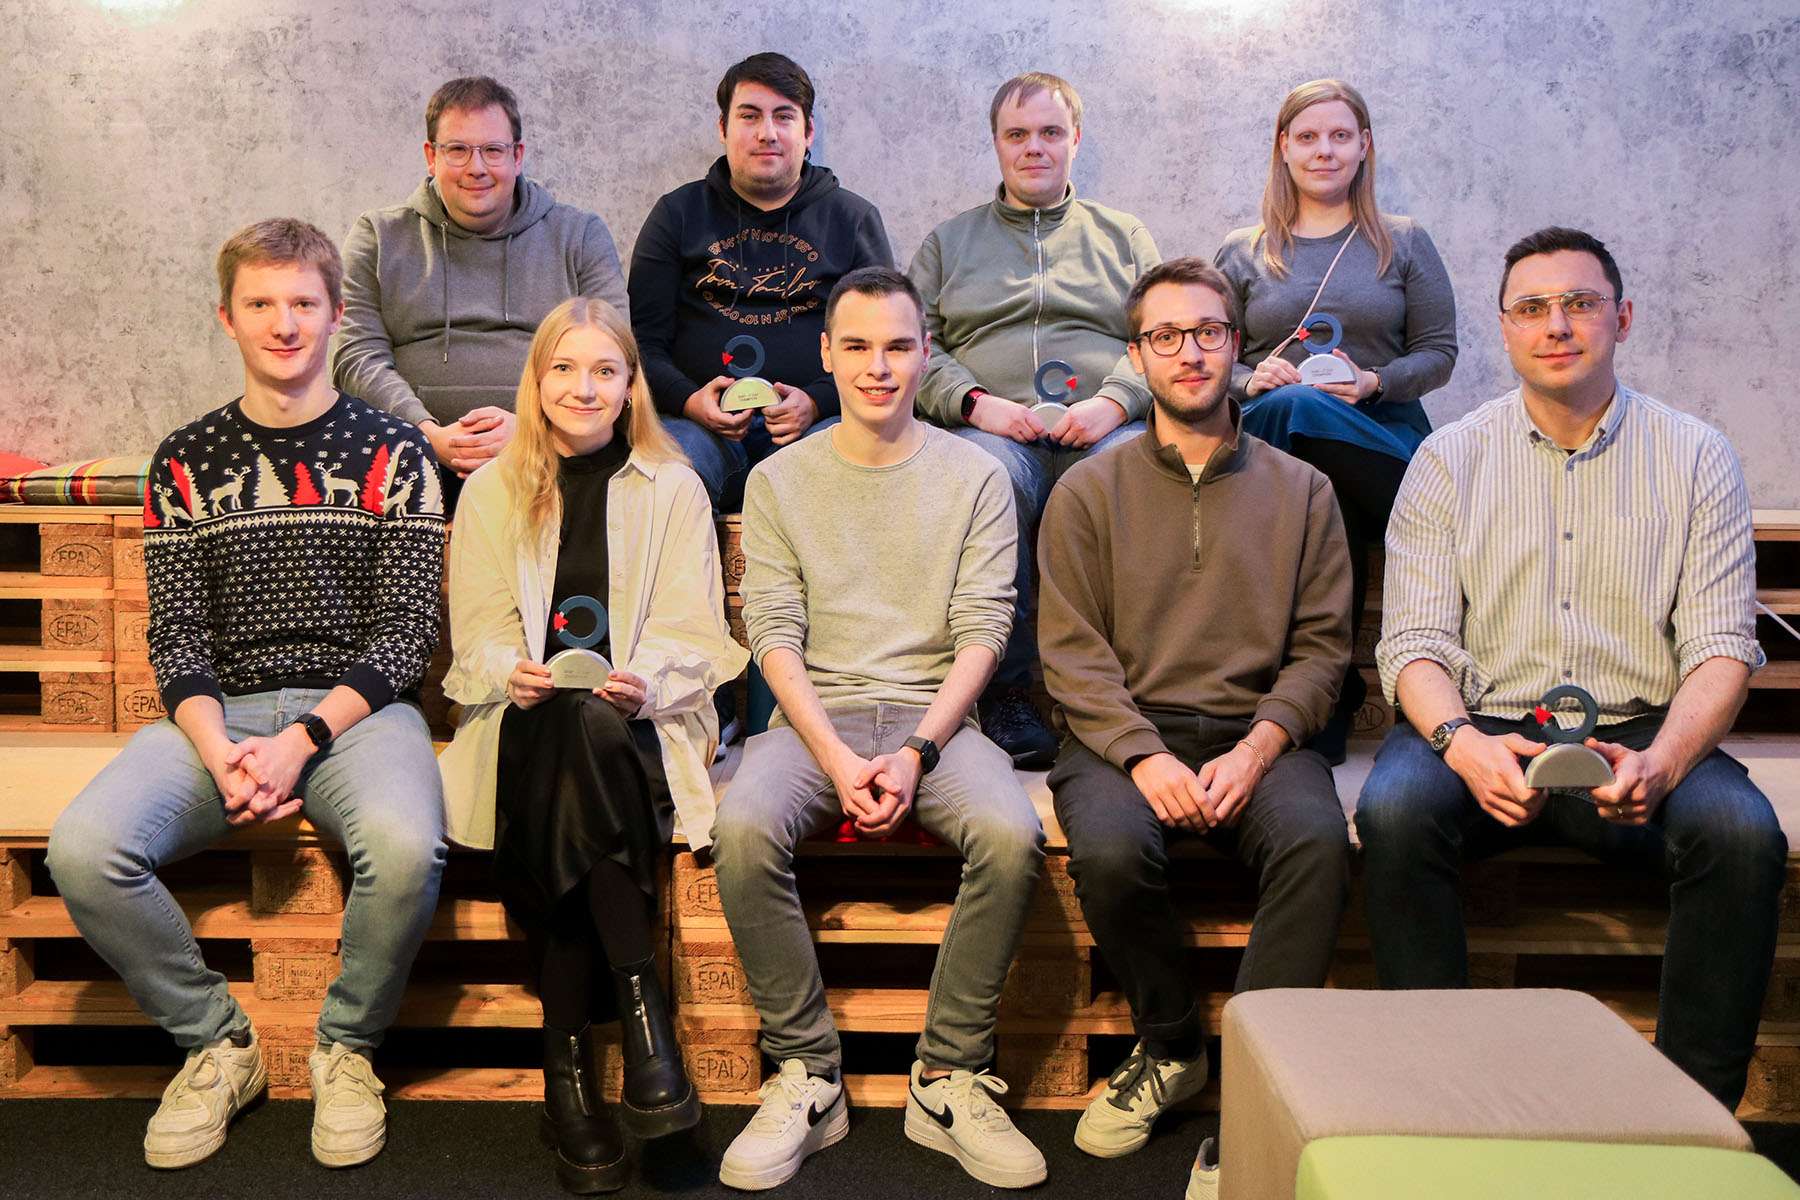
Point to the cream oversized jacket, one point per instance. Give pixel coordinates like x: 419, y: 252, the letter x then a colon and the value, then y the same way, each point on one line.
x: 666, y: 620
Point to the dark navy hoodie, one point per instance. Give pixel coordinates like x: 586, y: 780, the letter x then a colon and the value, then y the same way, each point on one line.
x: 709, y: 265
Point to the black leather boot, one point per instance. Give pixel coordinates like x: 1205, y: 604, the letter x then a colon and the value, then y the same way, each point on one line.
x: 590, y: 1152
x: 658, y: 1097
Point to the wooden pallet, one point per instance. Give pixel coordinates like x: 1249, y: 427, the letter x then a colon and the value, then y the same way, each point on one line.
x: 1537, y: 918
x: 73, y: 618
x: 276, y: 901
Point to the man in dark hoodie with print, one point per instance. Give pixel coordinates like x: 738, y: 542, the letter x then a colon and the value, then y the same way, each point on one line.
x: 754, y: 248
x: 442, y: 293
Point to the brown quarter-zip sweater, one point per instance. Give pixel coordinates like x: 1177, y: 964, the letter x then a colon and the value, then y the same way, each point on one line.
x: 1228, y: 597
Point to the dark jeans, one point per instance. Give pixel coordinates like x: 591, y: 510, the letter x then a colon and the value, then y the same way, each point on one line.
x: 1714, y: 838
x: 1291, y: 834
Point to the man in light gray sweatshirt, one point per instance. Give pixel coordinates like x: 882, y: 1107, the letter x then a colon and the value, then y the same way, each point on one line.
x: 1032, y: 277
x: 877, y: 592
x: 442, y: 293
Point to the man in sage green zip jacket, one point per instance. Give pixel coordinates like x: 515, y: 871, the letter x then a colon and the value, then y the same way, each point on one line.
x: 1033, y: 277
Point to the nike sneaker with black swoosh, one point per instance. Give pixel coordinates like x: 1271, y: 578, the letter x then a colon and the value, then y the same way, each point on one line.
x: 958, y: 1116
x: 800, y: 1114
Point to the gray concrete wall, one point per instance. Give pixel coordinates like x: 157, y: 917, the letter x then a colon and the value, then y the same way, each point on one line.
x: 139, y: 133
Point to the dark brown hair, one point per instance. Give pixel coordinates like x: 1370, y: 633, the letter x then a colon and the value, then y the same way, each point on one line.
x: 472, y: 93
x: 777, y: 72
x: 1196, y: 271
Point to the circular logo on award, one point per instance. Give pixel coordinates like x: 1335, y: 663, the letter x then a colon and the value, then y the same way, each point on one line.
x: 568, y: 636
x: 1322, y: 332
x: 743, y: 358
x: 1054, y: 380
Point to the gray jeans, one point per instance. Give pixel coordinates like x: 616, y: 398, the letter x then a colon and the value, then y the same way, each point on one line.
x: 972, y: 801
x: 376, y: 789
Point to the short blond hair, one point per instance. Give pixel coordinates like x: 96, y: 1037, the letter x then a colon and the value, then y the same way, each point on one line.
x: 1024, y: 87
x: 281, y: 240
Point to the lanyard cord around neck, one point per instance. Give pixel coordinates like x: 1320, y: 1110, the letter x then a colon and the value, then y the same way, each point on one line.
x: 1313, y: 303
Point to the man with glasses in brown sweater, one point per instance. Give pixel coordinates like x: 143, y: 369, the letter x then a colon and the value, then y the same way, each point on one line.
x: 1195, y: 626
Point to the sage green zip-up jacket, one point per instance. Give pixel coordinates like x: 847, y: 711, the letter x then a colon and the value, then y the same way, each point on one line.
x: 1007, y: 289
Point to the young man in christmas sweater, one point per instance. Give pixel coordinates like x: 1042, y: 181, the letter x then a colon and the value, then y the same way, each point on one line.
x: 294, y: 545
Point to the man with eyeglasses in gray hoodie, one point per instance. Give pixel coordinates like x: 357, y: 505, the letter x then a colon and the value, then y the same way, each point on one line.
x: 442, y: 293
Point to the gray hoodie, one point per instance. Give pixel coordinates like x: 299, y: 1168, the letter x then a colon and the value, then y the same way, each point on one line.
x: 437, y: 320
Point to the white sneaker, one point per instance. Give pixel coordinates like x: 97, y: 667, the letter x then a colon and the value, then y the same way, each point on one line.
x: 1203, y: 1184
x: 349, y: 1119
x: 213, y: 1086
x: 1118, y: 1120
x: 728, y: 734
x: 800, y: 1114
x: 957, y: 1116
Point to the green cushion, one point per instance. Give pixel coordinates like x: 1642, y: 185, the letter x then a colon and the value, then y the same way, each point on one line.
x: 1429, y: 1168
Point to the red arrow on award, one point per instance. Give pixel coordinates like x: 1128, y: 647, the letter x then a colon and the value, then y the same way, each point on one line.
x: 726, y: 359
x: 560, y: 622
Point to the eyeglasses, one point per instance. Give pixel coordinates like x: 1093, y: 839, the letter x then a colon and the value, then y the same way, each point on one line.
x: 458, y: 154
x: 1166, y: 341
x: 1528, y: 312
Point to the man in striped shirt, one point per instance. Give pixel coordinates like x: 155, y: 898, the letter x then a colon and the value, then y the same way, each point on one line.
x: 1576, y: 531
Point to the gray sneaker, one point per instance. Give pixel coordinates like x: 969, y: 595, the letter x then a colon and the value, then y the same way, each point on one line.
x: 1117, y: 1122
x: 218, y: 1080
x: 957, y: 1116
x: 349, y: 1119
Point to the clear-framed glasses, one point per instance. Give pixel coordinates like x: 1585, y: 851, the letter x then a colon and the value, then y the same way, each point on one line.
x: 1528, y: 312
x: 458, y: 154
x: 1165, y: 340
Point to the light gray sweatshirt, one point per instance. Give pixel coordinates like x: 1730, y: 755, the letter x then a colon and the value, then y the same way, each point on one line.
x: 437, y: 320
x: 877, y: 576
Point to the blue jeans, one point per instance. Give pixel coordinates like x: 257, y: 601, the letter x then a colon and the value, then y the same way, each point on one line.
x: 1714, y: 838
x: 376, y: 789
x: 723, y: 464
x: 1033, y: 470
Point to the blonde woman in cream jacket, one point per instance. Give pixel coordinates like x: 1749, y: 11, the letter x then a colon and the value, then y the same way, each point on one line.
x: 589, y: 528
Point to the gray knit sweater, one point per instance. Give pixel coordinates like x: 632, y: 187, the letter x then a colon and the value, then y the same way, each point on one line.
x: 877, y: 576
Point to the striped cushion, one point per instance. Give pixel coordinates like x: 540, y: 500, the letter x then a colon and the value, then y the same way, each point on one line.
x: 97, y: 481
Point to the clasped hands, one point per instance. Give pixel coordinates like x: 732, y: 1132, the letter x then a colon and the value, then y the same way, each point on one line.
x: 256, y: 776
x: 1201, y: 800
x: 876, y: 793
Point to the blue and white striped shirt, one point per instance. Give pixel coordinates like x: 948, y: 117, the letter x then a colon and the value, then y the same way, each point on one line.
x: 1621, y: 566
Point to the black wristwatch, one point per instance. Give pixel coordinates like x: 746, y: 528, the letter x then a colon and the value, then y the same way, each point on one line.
x: 316, y: 729
x: 928, y: 753
x: 1440, y: 737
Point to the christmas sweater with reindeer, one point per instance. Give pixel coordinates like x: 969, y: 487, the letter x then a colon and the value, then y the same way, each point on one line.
x: 303, y: 557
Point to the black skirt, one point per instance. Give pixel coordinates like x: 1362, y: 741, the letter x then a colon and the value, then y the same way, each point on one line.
x: 577, y: 783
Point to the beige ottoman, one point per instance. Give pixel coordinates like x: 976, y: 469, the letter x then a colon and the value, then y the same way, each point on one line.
x: 1298, y: 1065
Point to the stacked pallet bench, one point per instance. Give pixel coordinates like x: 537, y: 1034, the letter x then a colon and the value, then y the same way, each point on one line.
x: 266, y: 905
x: 73, y: 615
x: 1543, y: 917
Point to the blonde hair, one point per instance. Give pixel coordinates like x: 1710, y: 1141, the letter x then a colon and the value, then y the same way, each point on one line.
x: 1281, y: 200
x: 529, y: 463
x: 1023, y: 87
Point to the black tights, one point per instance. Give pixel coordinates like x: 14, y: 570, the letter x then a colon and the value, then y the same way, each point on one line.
x: 605, y: 920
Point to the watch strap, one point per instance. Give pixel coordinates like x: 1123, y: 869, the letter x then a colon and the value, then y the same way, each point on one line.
x: 928, y: 753
x: 315, y: 728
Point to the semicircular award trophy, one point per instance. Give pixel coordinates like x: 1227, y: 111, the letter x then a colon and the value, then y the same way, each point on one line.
x: 1567, y: 765
x: 579, y: 666
x: 1322, y: 332
x: 743, y: 358
x: 1054, y: 382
